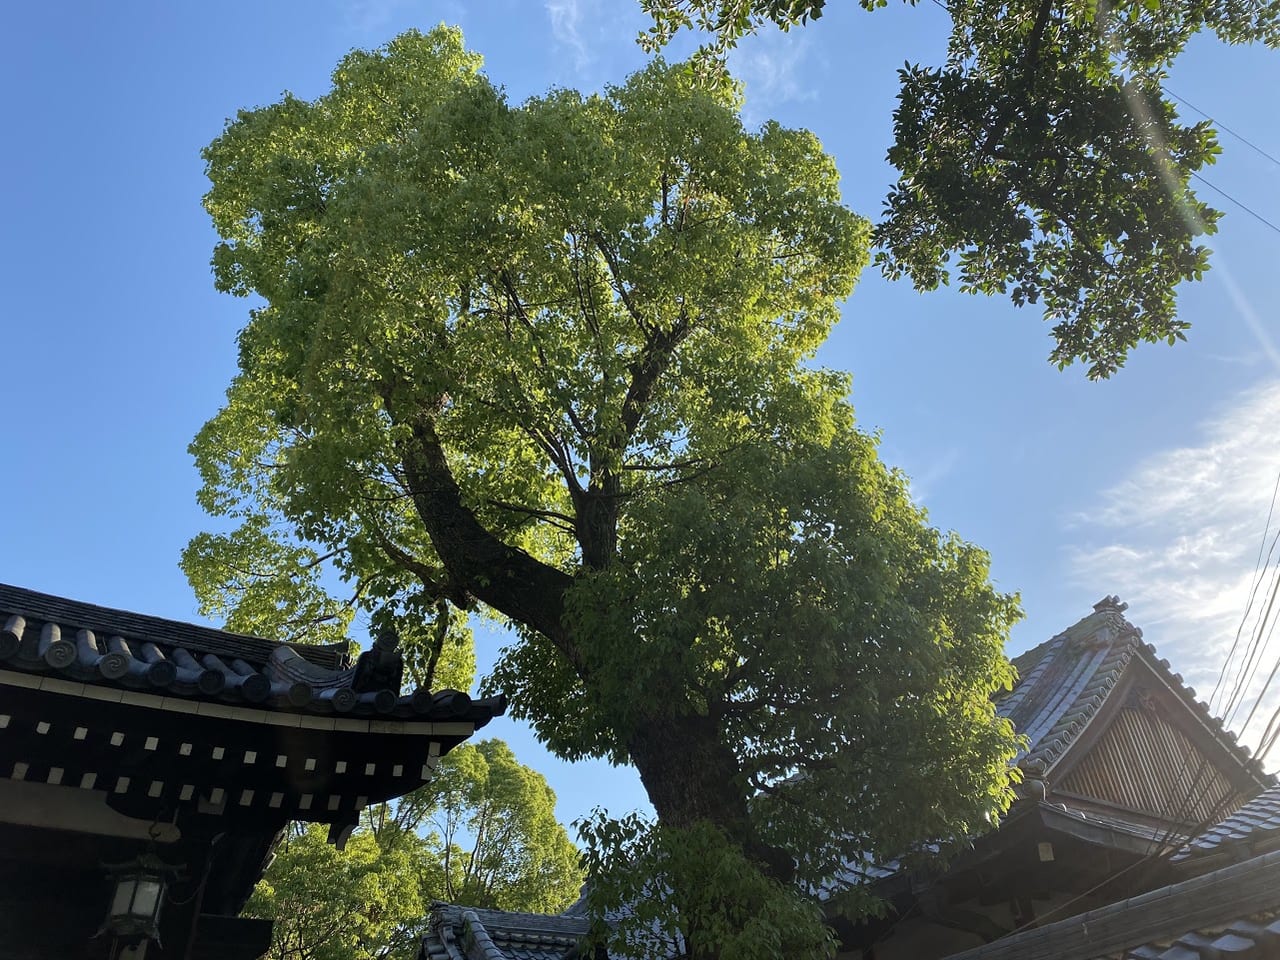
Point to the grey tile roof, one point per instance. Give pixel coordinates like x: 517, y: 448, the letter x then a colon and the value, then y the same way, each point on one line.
x: 1253, y: 827
x: 1248, y: 939
x: 469, y: 933
x: 44, y: 607
x: 85, y: 643
x: 1230, y: 912
x: 1064, y: 682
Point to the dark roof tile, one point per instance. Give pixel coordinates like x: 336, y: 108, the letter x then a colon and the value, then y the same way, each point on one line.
x: 83, y: 642
x: 469, y: 933
x: 1256, y: 824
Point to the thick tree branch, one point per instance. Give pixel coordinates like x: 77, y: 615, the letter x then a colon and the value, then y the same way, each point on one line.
x: 596, y: 523
x: 653, y: 362
x: 511, y: 581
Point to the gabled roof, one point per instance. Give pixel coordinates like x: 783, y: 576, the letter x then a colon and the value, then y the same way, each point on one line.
x: 1230, y: 908
x: 98, y: 646
x: 469, y: 933
x: 1065, y: 681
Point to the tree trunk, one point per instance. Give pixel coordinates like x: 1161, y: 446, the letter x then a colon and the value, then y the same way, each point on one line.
x: 691, y: 777
x: 690, y: 774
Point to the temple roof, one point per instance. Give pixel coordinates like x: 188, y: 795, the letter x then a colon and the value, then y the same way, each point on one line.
x: 1230, y: 912
x: 1064, y: 682
x: 469, y: 933
x: 1256, y: 938
x: 101, y: 647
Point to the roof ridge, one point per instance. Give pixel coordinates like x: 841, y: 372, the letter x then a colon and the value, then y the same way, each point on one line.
x: 1222, y: 895
x: 142, y: 626
x: 93, y: 646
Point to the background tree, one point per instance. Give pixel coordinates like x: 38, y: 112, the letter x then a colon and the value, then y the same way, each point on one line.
x: 490, y: 824
x: 1043, y: 160
x: 554, y: 362
x: 361, y: 903
x: 482, y: 832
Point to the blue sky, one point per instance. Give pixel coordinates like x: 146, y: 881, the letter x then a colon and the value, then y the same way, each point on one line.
x: 1154, y: 486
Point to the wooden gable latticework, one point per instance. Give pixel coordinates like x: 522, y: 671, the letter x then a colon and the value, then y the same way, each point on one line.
x: 1145, y: 764
x: 1111, y: 728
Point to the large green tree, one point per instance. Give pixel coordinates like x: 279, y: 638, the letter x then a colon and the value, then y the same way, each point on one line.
x: 1043, y: 159
x: 553, y: 362
x: 482, y: 832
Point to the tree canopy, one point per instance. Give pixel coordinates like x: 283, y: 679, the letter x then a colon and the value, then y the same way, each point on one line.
x: 1043, y: 159
x: 483, y: 832
x: 553, y: 363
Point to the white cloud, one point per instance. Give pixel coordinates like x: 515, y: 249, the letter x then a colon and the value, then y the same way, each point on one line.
x: 926, y: 482
x: 770, y: 64
x: 566, y: 25
x: 1179, y: 539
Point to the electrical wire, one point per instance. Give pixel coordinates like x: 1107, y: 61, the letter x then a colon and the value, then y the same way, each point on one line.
x: 1270, y: 631
x: 1221, y: 126
x: 1255, y: 647
x: 1247, y: 209
x: 1253, y: 593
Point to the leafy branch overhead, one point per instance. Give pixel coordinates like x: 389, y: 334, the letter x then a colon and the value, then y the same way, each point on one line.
x: 1042, y: 160
x: 553, y: 363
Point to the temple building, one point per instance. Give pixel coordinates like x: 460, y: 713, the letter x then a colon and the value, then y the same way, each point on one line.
x: 1224, y: 902
x: 1122, y: 762
x: 148, y: 767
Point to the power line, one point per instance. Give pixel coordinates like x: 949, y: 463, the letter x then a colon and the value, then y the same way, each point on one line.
x: 1256, y: 643
x: 1262, y: 642
x: 1219, y: 687
x: 1257, y: 216
x: 1221, y: 126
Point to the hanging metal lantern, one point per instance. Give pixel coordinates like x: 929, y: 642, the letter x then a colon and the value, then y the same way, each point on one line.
x: 136, y: 898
